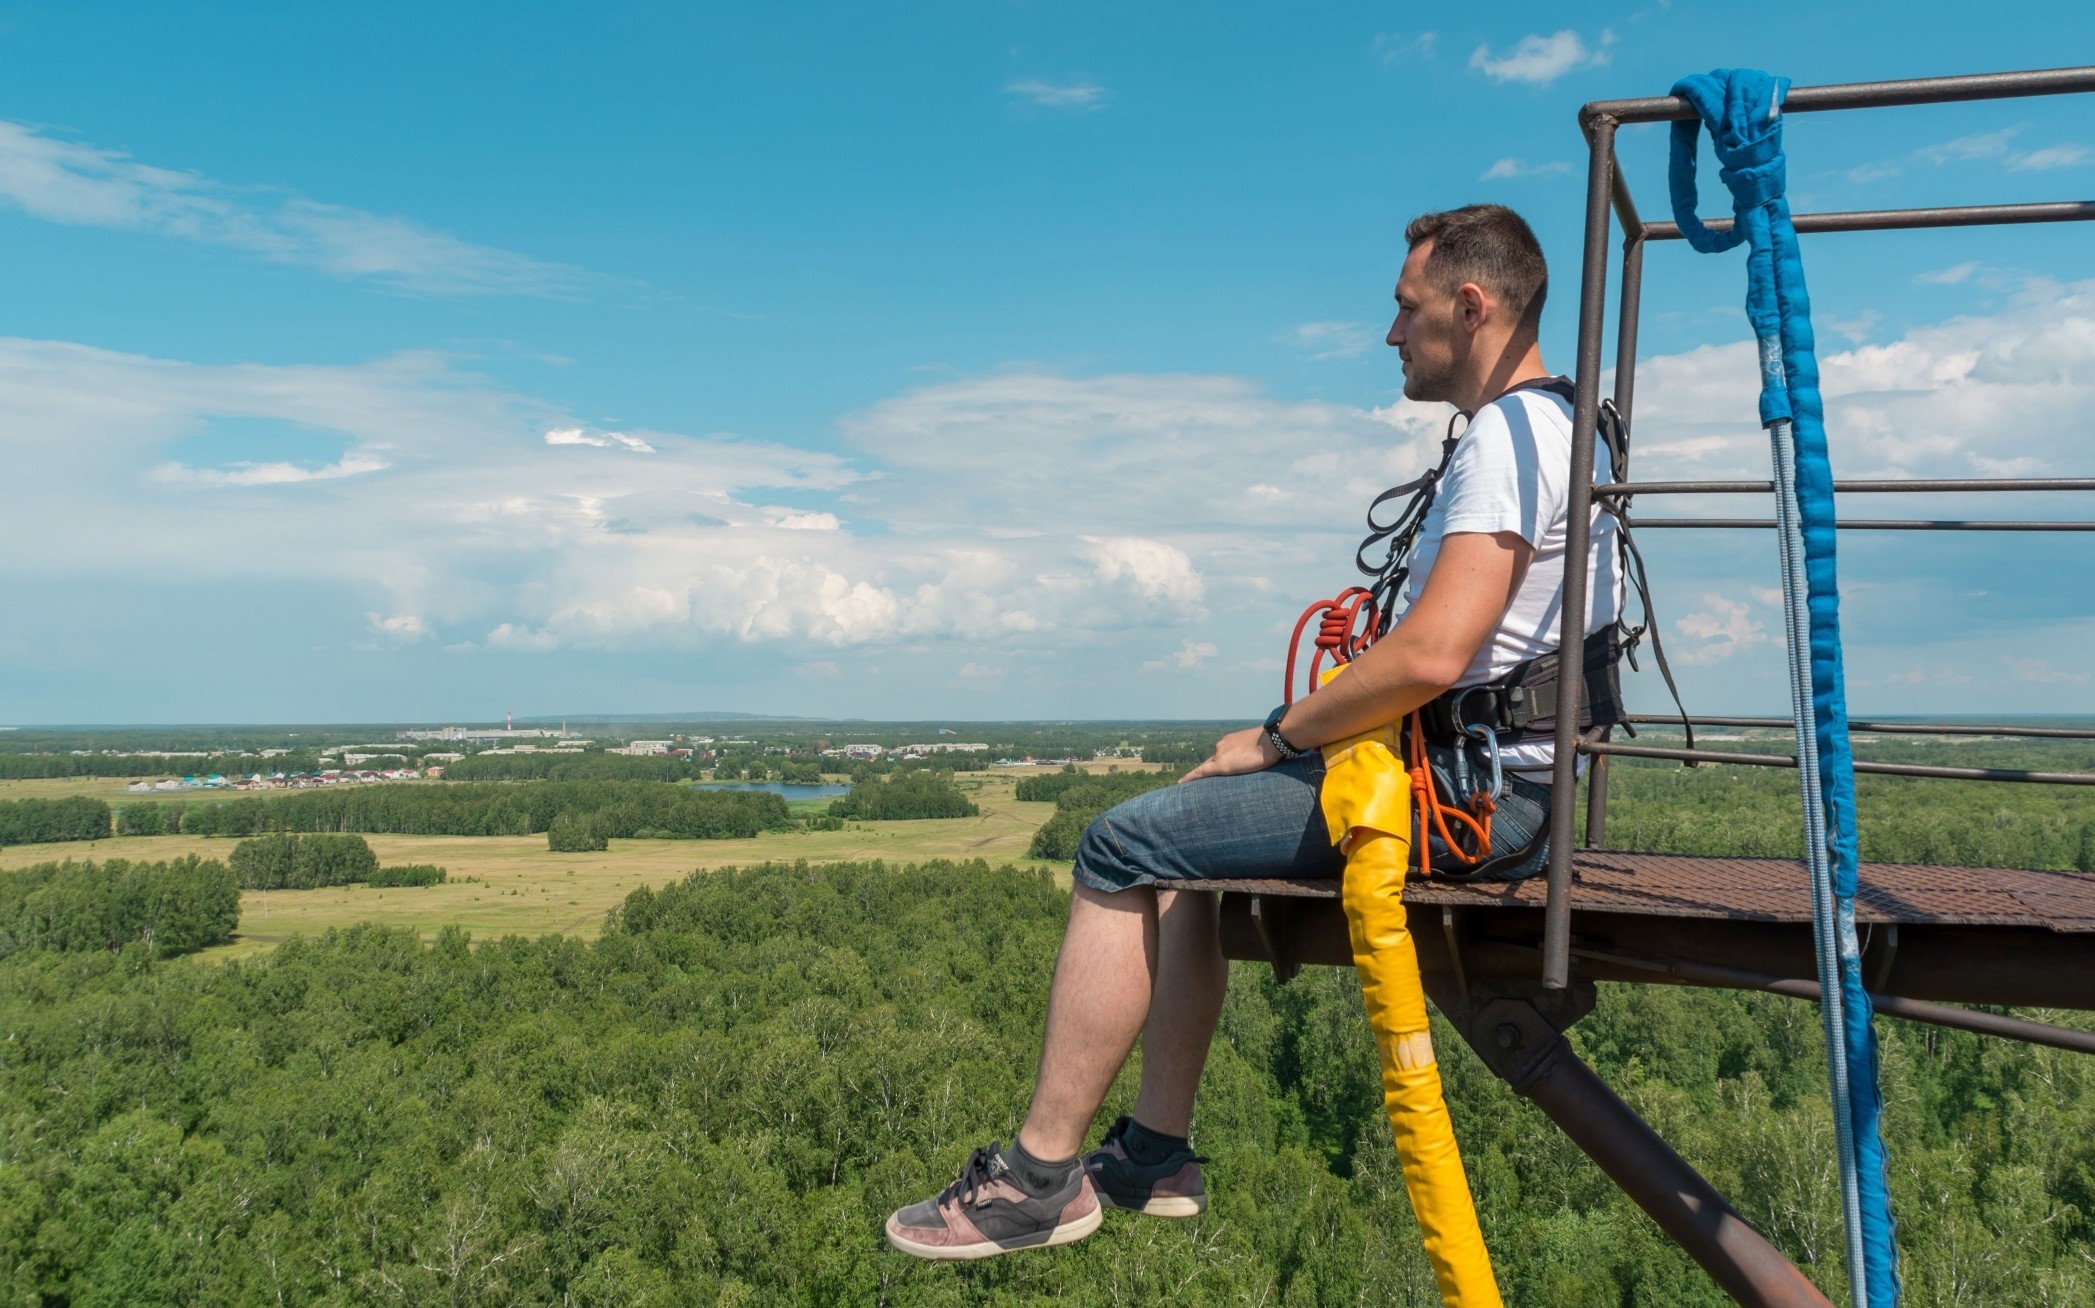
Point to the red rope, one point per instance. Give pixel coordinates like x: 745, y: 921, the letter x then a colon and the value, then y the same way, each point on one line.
x: 1346, y: 626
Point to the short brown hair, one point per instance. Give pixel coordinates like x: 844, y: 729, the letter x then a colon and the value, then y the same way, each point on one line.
x: 1488, y: 244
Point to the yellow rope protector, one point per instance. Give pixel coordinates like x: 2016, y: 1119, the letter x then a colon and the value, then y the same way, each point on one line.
x: 1367, y: 806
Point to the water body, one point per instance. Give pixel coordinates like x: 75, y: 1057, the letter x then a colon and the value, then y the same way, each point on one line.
x: 790, y: 790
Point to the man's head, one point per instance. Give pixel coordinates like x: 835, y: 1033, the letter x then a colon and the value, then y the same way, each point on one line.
x: 1469, y: 300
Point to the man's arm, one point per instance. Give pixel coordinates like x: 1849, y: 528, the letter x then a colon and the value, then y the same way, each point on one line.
x: 1474, y: 578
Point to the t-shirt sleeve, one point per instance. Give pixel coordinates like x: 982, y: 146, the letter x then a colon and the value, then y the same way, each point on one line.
x: 1495, y: 482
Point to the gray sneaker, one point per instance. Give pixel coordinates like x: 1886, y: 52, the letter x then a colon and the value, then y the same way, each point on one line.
x: 1171, y: 1188
x: 988, y: 1211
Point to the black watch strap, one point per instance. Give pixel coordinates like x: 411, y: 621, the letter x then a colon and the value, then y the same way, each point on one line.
x: 1280, y: 742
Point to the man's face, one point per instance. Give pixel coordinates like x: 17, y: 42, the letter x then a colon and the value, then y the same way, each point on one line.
x: 1427, y: 333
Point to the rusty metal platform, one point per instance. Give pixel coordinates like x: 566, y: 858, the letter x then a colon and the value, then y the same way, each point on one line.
x: 1956, y: 934
x: 1763, y: 890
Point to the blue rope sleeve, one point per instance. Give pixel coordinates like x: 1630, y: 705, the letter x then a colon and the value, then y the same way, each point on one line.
x: 1742, y: 110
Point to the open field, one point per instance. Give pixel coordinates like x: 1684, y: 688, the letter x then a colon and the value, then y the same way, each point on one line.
x: 517, y: 886
x: 105, y: 788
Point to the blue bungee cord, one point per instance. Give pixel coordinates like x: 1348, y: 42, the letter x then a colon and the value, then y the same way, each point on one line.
x: 1743, y: 109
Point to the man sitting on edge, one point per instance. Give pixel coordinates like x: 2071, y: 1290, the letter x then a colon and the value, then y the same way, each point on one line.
x: 1142, y: 955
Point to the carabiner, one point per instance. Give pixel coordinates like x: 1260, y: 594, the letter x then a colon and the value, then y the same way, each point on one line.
x: 1490, y: 740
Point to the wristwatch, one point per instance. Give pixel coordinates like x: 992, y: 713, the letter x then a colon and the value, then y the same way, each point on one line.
x: 1280, y: 742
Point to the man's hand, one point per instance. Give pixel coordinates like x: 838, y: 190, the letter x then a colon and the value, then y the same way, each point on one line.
x: 1240, y: 751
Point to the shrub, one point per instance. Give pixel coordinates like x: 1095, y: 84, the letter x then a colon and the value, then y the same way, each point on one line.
x: 287, y: 862
x: 41, y: 821
x: 575, y: 833
x: 906, y: 795
x: 407, y: 874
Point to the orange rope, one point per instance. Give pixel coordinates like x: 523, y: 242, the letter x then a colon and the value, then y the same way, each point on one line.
x: 1430, y: 809
x: 1342, y: 634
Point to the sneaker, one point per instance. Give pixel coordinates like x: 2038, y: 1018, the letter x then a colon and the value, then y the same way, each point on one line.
x: 1171, y: 1187
x: 990, y: 1211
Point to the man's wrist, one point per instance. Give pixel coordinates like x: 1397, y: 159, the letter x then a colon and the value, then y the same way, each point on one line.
x: 1282, y: 746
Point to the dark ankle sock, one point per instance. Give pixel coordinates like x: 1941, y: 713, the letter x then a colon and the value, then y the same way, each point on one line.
x: 1147, y: 1148
x: 1039, y: 1176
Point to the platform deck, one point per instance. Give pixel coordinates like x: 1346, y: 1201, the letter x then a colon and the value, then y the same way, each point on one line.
x: 1762, y: 890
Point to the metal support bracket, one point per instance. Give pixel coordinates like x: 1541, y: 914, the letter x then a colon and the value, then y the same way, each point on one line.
x: 1269, y: 915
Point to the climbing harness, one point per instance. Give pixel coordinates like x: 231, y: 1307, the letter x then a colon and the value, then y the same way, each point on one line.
x: 1742, y: 108
x: 1454, y: 740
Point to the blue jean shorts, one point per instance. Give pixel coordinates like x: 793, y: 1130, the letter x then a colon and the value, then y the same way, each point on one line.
x: 1269, y: 824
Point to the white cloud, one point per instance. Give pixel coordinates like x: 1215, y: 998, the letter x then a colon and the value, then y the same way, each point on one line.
x: 1511, y: 167
x: 2051, y: 156
x: 1335, y: 340
x: 801, y: 520
x: 403, y: 628
x: 2000, y: 145
x: 245, y: 473
x: 1950, y: 276
x: 2042, y: 672
x: 1392, y: 46
x: 85, y: 185
x: 1724, y: 627
x: 1540, y: 60
x: 1981, y: 145
x: 1059, y: 95
x: 601, y: 439
x: 1156, y: 570
x: 1187, y: 656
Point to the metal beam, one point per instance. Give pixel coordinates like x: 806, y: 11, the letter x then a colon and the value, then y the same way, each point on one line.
x: 1530, y: 1054
x: 1911, y: 1010
x: 1879, y: 769
x: 1886, y: 728
x: 1895, y: 220
x: 1869, y: 524
x: 1937, y: 485
x: 1868, y: 95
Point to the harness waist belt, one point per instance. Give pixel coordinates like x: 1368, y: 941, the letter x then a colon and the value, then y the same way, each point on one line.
x: 1522, y: 705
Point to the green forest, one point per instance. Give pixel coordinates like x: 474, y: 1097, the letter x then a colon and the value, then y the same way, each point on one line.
x: 616, y: 808
x: 904, y: 795
x: 719, y: 1100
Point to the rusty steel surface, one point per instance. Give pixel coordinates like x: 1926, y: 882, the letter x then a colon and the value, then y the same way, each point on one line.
x: 1760, y: 890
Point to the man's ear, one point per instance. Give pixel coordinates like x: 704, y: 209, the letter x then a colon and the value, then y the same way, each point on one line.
x: 1472, y: 304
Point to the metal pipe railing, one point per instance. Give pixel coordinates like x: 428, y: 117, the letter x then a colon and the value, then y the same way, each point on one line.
x: 1878, y: 769
x: 1871, y: 524
x: 1887, y: 728
x: 1934, y: 485
x: 1608, y: 192
x: 1867, y: 95
x: 1895, y: 220
x: 1585, y: 422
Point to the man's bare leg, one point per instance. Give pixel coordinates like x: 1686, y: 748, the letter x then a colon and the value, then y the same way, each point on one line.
x: 1186, y: 1002
x: 1097, y: 1005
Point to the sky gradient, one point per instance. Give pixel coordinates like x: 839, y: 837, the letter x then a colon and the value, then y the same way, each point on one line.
x: 963, y: 360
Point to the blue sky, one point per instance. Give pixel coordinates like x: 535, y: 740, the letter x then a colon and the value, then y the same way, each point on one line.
x: 926, y: 360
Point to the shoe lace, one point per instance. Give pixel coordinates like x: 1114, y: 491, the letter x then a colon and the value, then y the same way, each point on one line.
x: 973, y: 1177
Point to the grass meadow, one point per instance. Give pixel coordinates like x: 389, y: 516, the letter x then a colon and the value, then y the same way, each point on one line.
x: 514, y: 885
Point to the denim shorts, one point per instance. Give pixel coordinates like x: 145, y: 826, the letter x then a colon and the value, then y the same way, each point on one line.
x: 1269, y: 824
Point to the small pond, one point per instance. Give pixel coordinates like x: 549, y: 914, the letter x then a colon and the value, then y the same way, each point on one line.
x: 790, y: 790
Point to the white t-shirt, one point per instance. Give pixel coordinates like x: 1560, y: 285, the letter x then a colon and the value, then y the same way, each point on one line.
x: 1511, y: 472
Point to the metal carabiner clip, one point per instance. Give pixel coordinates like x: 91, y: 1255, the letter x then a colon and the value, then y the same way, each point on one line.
x: 1485, y: 736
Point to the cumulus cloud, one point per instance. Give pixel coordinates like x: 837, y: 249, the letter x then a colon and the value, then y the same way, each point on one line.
x: 1539, y: 60
x: 1187, y: 656
x: 86, y: 185
x: 1721, y: 629
x: 404, y: 628
x: 1058, y: 95
x: 605, y: 440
